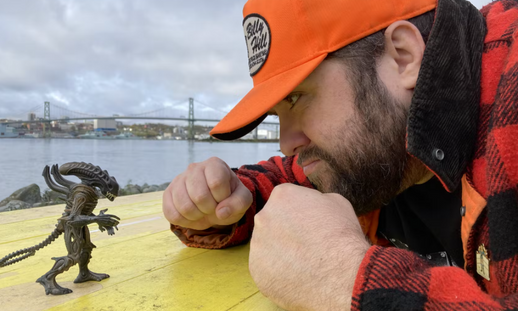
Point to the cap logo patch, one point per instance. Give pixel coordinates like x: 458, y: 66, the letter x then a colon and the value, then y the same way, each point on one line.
x: 258, y: 39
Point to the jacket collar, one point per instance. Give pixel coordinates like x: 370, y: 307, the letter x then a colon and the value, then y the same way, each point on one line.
x: 442, y: 124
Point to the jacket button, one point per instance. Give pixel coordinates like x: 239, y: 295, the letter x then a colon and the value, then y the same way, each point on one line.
x: 438, y: 154
x: 462, y: 211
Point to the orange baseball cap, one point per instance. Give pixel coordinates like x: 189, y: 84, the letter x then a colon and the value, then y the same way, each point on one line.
x: 288, y: 39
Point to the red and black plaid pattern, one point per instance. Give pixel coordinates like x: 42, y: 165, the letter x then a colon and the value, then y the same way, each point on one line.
x: 394, y: 279
x: 260, y: 179
x: 495, y: 168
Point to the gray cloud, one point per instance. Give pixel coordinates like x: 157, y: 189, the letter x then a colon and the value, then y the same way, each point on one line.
x: 121, y: 56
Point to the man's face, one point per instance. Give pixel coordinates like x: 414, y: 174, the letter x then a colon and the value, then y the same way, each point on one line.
x: 360, y: 155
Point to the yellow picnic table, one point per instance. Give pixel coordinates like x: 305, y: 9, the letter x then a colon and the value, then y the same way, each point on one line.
x: 149, y: 268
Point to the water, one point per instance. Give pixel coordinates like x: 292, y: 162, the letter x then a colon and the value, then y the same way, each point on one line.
x: 141, y: 161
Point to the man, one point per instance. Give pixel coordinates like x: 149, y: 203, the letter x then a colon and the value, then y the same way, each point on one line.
x: 404, y: 115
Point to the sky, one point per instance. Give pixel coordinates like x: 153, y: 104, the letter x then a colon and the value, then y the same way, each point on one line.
x: 123, y: 57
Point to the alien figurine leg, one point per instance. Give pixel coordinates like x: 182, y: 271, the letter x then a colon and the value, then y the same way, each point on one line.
x: 48, y: 280
x: 85, y: 274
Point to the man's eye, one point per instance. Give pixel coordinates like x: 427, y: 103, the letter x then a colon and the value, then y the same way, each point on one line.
x: 292, y: 99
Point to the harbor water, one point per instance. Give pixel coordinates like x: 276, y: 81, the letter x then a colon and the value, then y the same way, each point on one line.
x: 136, y: 161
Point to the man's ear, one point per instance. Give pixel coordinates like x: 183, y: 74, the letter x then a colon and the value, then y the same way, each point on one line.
x: 404, y: 43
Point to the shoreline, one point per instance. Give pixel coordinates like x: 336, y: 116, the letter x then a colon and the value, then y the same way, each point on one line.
x: 154, y: 139
x: 32, y: 196
x: 239, y: 141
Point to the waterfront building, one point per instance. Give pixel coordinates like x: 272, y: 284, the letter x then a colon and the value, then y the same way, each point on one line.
x: 7, y: 131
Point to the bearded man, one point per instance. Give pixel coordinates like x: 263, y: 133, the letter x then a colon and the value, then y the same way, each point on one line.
x: 403, y: 114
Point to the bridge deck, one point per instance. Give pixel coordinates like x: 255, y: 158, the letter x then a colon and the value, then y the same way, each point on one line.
x: 150, y: 269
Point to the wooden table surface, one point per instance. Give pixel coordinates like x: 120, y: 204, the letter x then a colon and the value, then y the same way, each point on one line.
x: 150, y: 268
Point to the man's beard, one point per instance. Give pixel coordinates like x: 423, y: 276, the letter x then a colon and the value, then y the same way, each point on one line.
x: 368, y: 169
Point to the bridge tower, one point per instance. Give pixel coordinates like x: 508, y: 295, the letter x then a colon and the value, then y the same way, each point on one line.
x: 46, y: 112
x: 191, y: 118
x: 46, y: 117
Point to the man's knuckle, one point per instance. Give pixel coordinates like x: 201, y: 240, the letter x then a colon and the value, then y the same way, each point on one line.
x: 200, y: 198
x: 338, y: 198
x: 215, y: 160
x: 284, y: 188
x: 192, y: 166
x: 335, y: 196
x: 198, y: 226
x: 216, y: 184
x: 178, y: 180
x: 258, y: 219
x: 242, y: 202
x: 186, y: 208
x: 175, y: 218
x: 165, y: 195
x: 280, y: 187
x: 211, y: 161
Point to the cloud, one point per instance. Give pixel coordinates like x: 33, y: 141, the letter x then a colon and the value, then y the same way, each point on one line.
x: 123, y: 57
x: 120, y: 56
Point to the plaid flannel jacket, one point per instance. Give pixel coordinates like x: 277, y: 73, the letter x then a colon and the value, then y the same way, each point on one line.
x: 396, y: 279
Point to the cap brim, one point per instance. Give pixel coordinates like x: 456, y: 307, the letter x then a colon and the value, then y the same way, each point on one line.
x: 252, y: 109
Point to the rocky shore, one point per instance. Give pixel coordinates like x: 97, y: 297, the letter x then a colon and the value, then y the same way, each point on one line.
x: 31, y: 196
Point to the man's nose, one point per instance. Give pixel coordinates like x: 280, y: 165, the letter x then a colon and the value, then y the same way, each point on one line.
x: 292, y: 137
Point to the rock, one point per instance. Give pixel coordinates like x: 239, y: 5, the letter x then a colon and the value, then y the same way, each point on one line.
x: 15, y: 205
x: 163, y: 186
x: 50, y: 195
x: 30, y: 194
x: 151, y: 188
x: 132, y: 189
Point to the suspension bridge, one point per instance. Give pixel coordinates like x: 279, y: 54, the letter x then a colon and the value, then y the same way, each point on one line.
x: 189, y: 110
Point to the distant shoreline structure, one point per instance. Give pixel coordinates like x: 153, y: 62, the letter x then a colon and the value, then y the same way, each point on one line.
x: 240, y: 141
x: 112, y: 138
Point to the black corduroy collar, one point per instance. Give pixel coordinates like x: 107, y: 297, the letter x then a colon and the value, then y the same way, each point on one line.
x: 442, y: 122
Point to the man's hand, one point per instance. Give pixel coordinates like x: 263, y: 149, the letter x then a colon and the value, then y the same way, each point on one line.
x: 306, y: 249
x: 207, y: 194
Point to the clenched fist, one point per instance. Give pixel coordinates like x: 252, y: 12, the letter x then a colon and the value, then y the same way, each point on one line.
x: 306, y: 249
x: 207, y: 194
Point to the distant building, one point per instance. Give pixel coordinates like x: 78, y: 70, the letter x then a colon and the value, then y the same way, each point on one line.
x: 176, y: 133
x: 105, y: 125
x: 31, y: 116
x: 85, y: 126
x: 7, y: 131
x: 178, y: 130
x: 248, y: 136
x: 16, y: 124
x: 266, y: 134
x: 67, y: 126
x: 202, y: 136
x: 261, y: 134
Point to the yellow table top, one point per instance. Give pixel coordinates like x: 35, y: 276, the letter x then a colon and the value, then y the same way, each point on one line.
x: 150, y: 268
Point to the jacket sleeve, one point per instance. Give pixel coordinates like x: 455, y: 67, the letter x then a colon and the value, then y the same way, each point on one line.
x: 396, y: 279
x: 260, y: 179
